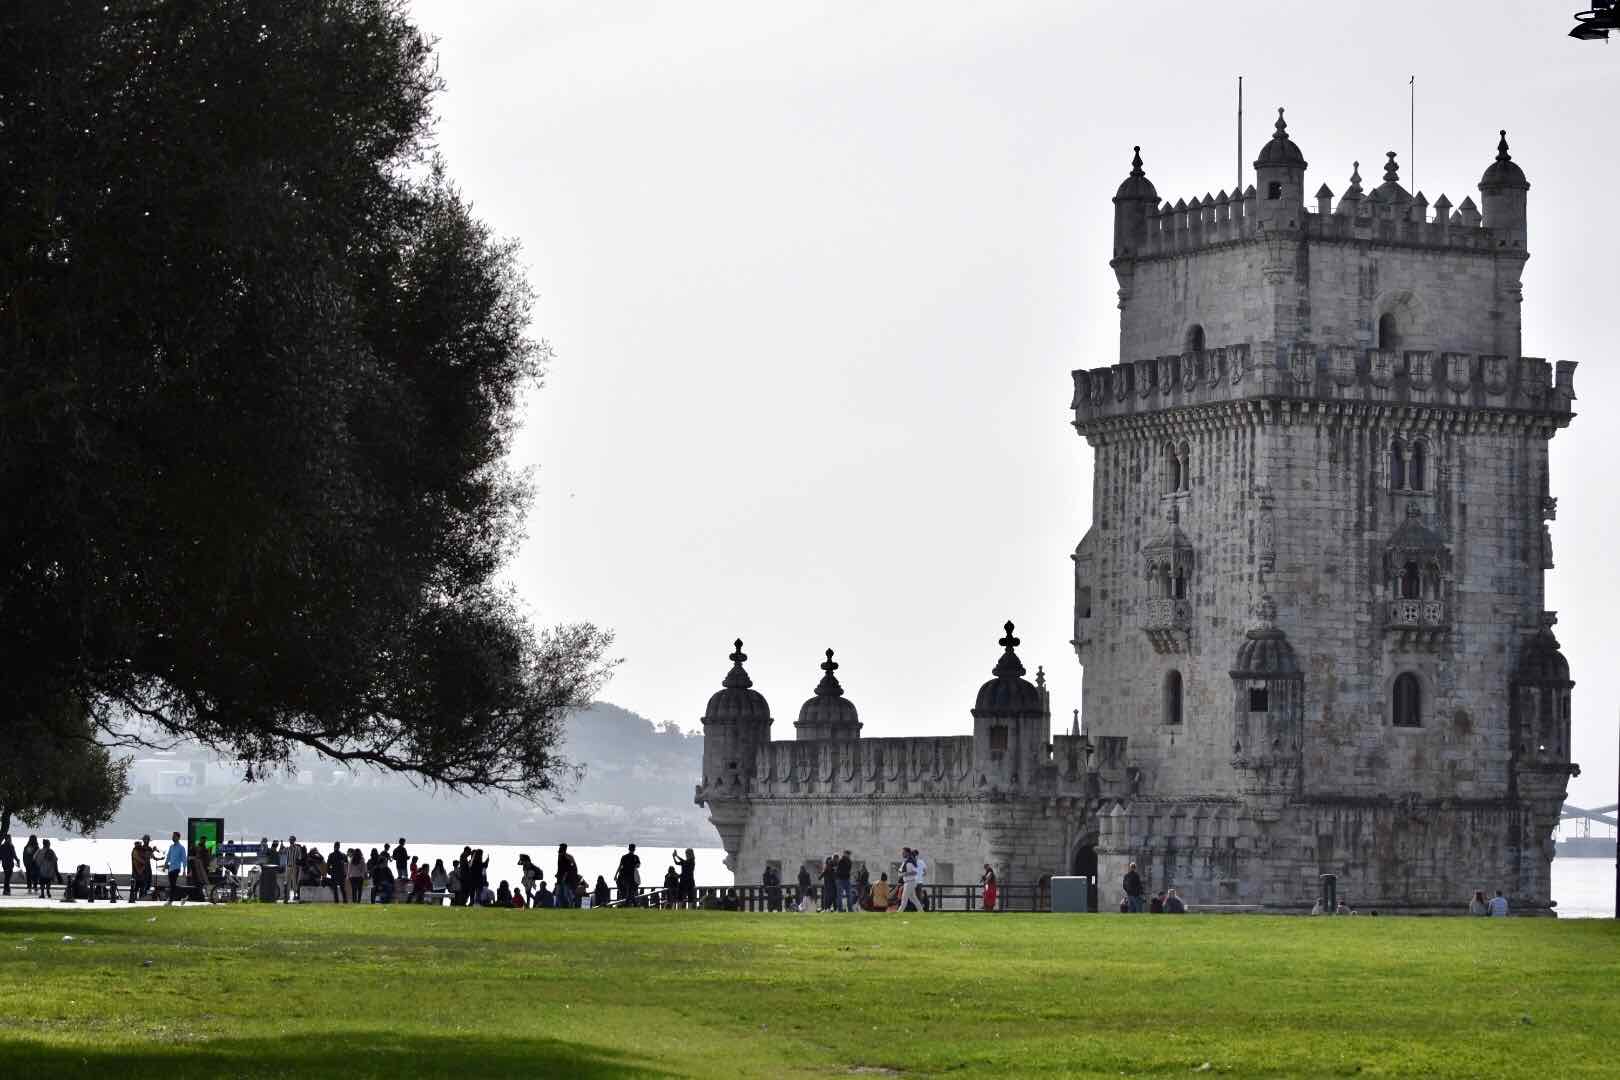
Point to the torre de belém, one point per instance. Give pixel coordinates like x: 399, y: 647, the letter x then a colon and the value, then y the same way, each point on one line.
x: 1309, y: 605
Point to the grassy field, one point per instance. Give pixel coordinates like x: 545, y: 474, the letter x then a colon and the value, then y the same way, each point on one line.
x: 410, y: 992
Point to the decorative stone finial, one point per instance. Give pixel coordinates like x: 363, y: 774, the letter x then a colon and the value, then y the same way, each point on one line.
x: 1265, y: 612
x: 1282, y: 125
x: 1136, y: 161
x: 1009, y: 666
x: 1392, y: 171
x: 1075, y: 731
x: 1502, y: 148
x: 1040, y: 676
x: 737, y: 678
x: 828, y: 687
x: 1355, y: 178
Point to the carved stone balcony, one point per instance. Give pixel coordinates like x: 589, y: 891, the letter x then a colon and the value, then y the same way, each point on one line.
x: 1168, y: 623
x: 1417, y: 623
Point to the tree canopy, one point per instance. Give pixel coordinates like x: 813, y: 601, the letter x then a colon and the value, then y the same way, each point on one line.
x: 260, y: 366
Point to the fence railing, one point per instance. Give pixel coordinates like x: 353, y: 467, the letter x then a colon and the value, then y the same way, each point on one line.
x: 786, y: 897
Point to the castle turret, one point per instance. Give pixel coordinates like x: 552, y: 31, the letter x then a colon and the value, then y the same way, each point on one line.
x: 1280, y: 179
x: 1502, y: 192
x: 828, y: 714
x: 736, y: 724
x: 1134, y: 204
x: 1010, y: 721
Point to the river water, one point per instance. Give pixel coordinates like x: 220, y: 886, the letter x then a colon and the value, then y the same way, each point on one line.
x: 1584, y: 888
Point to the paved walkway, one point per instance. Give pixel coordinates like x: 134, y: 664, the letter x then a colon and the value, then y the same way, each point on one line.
x: 15, y: 902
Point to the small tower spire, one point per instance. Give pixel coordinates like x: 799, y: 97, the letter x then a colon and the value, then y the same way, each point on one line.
x: 1009, y: 666
x: 828, y: 686
x: 1075, y: 730
x: 737, y: 678
x: 1392, y: 171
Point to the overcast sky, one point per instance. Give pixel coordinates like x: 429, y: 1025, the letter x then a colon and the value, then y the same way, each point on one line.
x: 816, y: 276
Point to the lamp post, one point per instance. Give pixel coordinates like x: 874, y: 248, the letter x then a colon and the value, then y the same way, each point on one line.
x: 1595, y: 23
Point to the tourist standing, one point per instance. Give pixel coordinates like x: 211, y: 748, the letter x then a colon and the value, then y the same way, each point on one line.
x: 46, y: 865
x: 772, y: 882
x: 846, y: 887
x: 806, y: 890
x: 140, y: 867
x: 829, y: 884
x: 628, y: 876
x: 1133, y: 888
x: 402, y: 860
x: 672, y: 886
x: 987, y: 882
x: 1499, y: 904
x: 357, y: 876
x: 440, y: 880
x: 688, y: 868
x: 8, y: 861
x: 337, y: 872
x: 567, y: 871
x: 863, y: 887
x: 30, y: 867
x: 174, y: 864
x: 294, y: 853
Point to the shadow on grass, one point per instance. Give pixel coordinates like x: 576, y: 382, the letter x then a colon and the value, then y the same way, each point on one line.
x: 347, y: 1054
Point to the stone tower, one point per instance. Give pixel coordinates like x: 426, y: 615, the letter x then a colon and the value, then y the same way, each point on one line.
x: 1311, y: 595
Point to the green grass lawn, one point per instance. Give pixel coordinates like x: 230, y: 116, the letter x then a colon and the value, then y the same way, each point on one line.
x: 363, y: 991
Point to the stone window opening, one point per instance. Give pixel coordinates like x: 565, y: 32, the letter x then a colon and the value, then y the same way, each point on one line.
x: 1431, y: 581
x: 1178, y: 585
x: 1411, y: 582
x: 1083, y: 601
x: 1417, y: 467
x: 1397, y: 466
x: 1185, y: 457
x: 1174, y: 469
x: 998, y: 739
x: 1388, y: 331
x: 1172, y: 697
x: 1274, y: 190
x: 1408, y: 704
x: 1195, y: 339
x: 1259, y: 699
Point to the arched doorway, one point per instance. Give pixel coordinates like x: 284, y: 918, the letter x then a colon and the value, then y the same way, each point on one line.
x: 1085, y: 865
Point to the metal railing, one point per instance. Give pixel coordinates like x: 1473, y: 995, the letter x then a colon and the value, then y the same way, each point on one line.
x: 787, y: 897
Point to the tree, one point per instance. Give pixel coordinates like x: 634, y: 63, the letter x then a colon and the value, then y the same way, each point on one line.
x: 259, y: 369
x: 54, y: 767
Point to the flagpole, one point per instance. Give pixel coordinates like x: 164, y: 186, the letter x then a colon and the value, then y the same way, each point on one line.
x: 1239, y: 189
x: 1411, y: 131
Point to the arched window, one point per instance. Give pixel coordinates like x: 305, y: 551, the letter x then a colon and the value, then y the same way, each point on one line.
x: 1178, y: 585
x: 1185, y: 457
x: 1082, y: 601
x: 1388, y: 335
x: 1195, y: 339
x: 1397, y: 466
x: 1411, y: 584
x: 1172, y: 697
x: 1274, y: 190
x: 1417, y: 467
x: 1431, y: 582
x: 1408, y: 706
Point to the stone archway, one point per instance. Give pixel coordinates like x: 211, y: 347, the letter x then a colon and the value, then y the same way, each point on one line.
x: 1084, y: 864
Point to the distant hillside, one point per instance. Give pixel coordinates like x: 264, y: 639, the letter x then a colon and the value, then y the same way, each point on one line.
x: 637, y: 785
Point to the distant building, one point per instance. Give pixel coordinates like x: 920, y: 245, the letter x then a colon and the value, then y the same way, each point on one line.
x: 1310, y: 603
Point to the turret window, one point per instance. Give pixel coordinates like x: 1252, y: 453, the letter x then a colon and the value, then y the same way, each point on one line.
x: 1178, y: 585
x: 1388, y: 334
x: 1411, y: 583
x: 998, y: 739
x: 1274, y: 190
x: 1172, y: 697
x: 1407, y: 708
x: 1259, y: 699
x: 1195, y: 339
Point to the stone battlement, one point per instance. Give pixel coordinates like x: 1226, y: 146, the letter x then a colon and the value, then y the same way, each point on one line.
x: 1328, y: 373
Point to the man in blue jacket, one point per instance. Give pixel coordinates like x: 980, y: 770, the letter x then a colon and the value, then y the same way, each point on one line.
x: 175, y: 863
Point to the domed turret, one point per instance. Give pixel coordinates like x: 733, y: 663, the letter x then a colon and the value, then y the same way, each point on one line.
x: 828, y: 714
x: 1008, y: 694
x: 736, y: 724
x: 1134, y: 203
x: 1503, y: 197
x: 1280, y: 178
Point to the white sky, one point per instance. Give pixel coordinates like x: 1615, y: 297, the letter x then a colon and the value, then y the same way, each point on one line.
x: 817, y: 275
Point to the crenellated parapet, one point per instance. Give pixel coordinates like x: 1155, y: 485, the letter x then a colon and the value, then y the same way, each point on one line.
x: 1307, y: 371
x: 920, y: 765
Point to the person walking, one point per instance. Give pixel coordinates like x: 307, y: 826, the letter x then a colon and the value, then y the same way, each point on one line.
x: 174, y: 864
x: 294, y: 854
x: 1133, y: 888
x: 530, y: 874
x: 200, y: 856
x: 628, y: 876
x: 688, y: 869
x: 922, y: 877
x: 30, y: 867
x: 806, y: 890
x: 910, y: 881
x: 567, y: 871
x: 8, y: 861
x: 846, y: 887
x: 987, y: 882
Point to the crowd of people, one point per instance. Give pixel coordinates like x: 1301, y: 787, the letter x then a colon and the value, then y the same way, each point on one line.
x: 37, y: 860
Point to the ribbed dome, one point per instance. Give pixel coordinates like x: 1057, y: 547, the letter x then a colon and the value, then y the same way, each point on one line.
x: 737, y: 701
x: 1542, y: 662
x: 1503, y: 173
x: 1280, y: 150
x: 1265, y: 652
x: 1137, y: 186
x: 1008, y: 694
x: 829, y: 714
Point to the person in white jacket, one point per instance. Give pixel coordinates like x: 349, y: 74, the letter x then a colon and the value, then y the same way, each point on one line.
x: 912, y: 872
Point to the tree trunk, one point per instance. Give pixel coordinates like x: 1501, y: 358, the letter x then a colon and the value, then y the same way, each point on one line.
x: 5, y: 820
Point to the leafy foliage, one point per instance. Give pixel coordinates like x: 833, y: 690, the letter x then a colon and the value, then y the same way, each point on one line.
x: 259, y: 370
x: 55, y: 768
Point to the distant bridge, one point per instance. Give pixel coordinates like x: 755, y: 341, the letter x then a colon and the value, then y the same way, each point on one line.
x: 1581, y: 820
